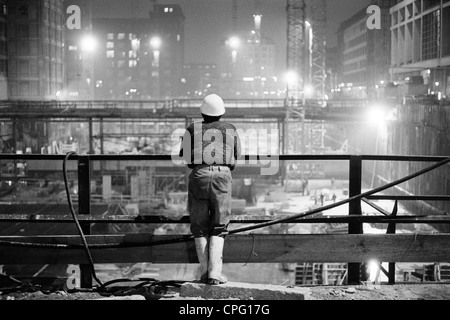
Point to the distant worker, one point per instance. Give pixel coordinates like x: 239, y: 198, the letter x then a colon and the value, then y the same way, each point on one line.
x: 305, y: 184
x: 334, y: 198
x: 211, y: 149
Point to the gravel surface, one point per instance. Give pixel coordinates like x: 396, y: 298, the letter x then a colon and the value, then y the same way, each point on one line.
x: 427, y: 291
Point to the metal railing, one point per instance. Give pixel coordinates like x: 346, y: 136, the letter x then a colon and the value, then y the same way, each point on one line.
x: 355, y: 218
x: 32, y: 105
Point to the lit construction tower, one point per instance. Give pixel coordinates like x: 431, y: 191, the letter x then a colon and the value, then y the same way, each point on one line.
x: 296, y: 17
x: 306, y: 38
x: 316, y: 13
x: 316, y: 9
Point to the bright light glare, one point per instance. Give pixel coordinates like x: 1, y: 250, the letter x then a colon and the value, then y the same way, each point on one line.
x: 88, y: 44
x: 373, y: 270
x: 309, y: 91
x: 234, y: 43
x: 257, y: 18
x: 155, y: 42
x: 376, y: 115
x: 291, y: 77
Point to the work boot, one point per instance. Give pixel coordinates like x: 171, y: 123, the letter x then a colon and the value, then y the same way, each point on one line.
x: 215, y: 276
x: 202, y: 248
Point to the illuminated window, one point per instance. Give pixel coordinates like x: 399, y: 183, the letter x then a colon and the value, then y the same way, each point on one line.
x: 120, y: 36
x: 110, y: 45
x: 110, y: 54
x: 110, y: 36
x: 132, y: 63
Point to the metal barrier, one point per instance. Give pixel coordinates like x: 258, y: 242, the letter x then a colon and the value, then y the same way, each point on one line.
x: 32, y: 105
x: 353, y: 248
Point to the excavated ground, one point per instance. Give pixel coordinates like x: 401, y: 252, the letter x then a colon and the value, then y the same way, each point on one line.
x: 425, y: 291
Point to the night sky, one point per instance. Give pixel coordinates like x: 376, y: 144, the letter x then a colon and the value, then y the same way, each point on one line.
x: 210, y: 21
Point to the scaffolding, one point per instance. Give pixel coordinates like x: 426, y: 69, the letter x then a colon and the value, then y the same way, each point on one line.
x: 306, y: 38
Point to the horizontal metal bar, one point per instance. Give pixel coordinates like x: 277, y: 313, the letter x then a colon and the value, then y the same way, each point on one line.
x: 294, y: 157
x: 414, y: 198
x: 402, y: 158
x: 250, y: 248
x: 244, y: 219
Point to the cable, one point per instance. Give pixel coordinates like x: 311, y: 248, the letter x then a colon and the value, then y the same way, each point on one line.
x: 72, y: 211
x: 145, y: 281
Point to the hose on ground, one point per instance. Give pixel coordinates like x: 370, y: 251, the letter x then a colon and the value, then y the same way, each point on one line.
x: 74, y: 216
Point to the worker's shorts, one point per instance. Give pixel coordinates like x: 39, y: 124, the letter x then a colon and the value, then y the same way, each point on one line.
x: 209, y: 200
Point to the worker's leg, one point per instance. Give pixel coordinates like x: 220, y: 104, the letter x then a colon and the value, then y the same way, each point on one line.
x: 199, y: 203
x: 202, y: 249
x: 198, y: 208
x: 221, y: 187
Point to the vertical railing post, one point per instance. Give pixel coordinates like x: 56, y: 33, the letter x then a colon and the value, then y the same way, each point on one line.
x: 91, y: 137
x: 354, y: 208
x: 391, y: 230
x: 84, y: 208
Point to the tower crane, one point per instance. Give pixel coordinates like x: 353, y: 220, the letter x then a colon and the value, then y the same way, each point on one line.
x: 306, y: 45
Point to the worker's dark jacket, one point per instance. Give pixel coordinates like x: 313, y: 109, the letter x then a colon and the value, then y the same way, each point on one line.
x: 215, y: 143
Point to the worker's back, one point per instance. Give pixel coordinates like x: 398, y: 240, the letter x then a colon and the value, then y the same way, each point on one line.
x: 211, y: 143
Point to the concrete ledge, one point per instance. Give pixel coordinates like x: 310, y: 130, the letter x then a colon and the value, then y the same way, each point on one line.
x: 243, y: 291
x: 133, y: 297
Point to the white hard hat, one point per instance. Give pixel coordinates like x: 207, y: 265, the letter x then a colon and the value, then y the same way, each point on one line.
x: 213, y: 106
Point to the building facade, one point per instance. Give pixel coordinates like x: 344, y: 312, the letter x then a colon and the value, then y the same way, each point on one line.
x: 168, y: 25
x: 35, y: 49
x: 139, y: 58
x: 421, y: 43
x: 122, y: 59
x: 3, y: 51
x: 247, y: 66
x: 199, y: 79
x: 364, y: 54
x: 78, y: 66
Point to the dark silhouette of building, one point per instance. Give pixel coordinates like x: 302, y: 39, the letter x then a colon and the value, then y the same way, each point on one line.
x: 364, y: 54
x: 35, y: 49
x: 3, y: 51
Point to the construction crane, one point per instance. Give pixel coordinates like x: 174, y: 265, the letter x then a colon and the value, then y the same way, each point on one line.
x: 234, y: 10
x: 318, y: 24
x: 306, y: 38
x: 306, y: 45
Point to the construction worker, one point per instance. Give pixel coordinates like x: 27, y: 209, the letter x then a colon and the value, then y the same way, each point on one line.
x: 211, y: 149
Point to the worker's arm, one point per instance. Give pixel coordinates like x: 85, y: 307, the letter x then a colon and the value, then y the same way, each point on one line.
x: 237, y: 146
x: 185, y: 147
